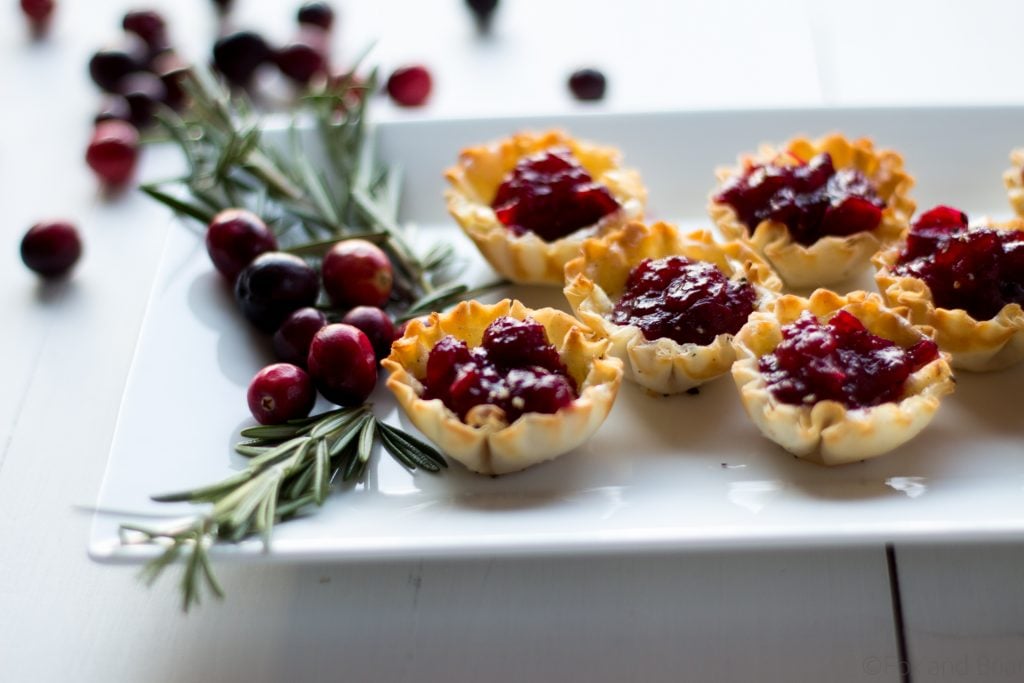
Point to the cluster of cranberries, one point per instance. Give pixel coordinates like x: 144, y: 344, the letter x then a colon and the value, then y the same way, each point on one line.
x: 977, y: 270
x: 551, y: 195
x: 515, y: 368
x: 278, y: 293
x: 811, y: 199
x: 689, y: 302
x: 840, y: 361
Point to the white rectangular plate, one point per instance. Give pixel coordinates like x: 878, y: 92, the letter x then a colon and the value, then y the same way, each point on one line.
x: 666, y: 474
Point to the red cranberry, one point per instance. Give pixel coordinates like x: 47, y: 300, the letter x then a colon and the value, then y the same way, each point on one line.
x: 238, y: 55
x: 840, y: 361
x: 357, y: 273
x: 689, y: 302
x: 234, y: 238
x: 511, y: 342
x: 113, y: 107
x: 292, y: 339
x: 113, y: 151
x: 587, y: 84
x: 148, y: 25
x: 279, y: 393
x: 551, y: 195
x: 37, y: 11
x: 273, y: 286
x: 376, y: 325
x: 144, y: 93
x: 109, y: 65
x: 316, y: 14
x: 342, y: 364
x: 300, y: 61
x: 51, y: 249
x: 409, y: 86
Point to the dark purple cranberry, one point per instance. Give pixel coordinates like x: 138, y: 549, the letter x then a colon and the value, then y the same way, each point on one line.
x: 273, y: 286
x: 109, y: 65
x: 38, y: 11
x: 238, y: 55
x: 840, y: 361
x: 316, y: 13
x: 292, y: 339
x: 113, y: 151
x: 494, y: 374
x: 280, y: 392
x: 410, y: 86
x: 173, y: 71
x: 148, y: 25
x: 234, y: 238
x: 357, y: 273
x: 977, y: 270
x: 376, y: 325
x: 51, y: 249
x: 551, y: 195
x: 811, y: 199
x: 689, y: 302
x: 587, y: 84
x: 144, y: 93
x: 483, y: 12
x: 300, y: 61
x: 342, y: 364
x: 113, y: 107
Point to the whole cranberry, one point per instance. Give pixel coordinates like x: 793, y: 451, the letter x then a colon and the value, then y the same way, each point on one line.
x: 238, y: 55
x: 409, y: 86
x: 109, y: 65
x: 376, y: 325
x: 292, y: 339
x: 342, y: 364
x: 52, y: 248
x: 280, y: 392
x: 300, y: 61
x: 144, y: 93
x: 37, y: 11
x: 274, y: 285
x: 234, y: 238
x: 357, y: 273
x: 172, y: 71
x: 587, y: 84
x: 113, y: 107
x: 113, y: 151
x: 316, y: 13
x: 148, y: 25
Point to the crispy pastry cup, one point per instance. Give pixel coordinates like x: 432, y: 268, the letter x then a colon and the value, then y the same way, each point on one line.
x: 1014, y: 179
x: 827, y: 432
x: 486, y: 443
x: 527, y: 258
x: 830, y: 259
x: 597, y: 278
x: 977, y: 345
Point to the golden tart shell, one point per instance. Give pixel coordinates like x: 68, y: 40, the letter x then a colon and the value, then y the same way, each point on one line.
x: 527, y: 258
x: 486, y: 443
x: 978, y: 345
x: 831, y: 259
x: 828, y: 432
x: 597, y: 278
x: 1014, y: 179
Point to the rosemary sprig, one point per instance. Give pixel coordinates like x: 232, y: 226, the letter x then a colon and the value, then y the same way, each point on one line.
x: 291, y: 468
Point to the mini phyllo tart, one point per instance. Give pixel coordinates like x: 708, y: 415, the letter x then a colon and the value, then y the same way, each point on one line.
x: 965, y: 282
x: 668, y: 303
x: 836, y: 379
x: 501, y: 387
x: 529, y: 201
x: 1014, y: 179
x: 816, y: 210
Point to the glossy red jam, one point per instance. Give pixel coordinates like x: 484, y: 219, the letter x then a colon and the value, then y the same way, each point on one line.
x: 514, y: 368
x: 552, y: 195
x: 811, y: 199
x: 840, y: 361
x: 978, y: 271
x: 691, y: 302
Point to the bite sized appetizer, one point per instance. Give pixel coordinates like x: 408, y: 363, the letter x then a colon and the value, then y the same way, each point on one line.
x: 836, y: 379
x: 966, y: 282
x: 668, y: 303
x: 530, y: 200
x: 501, y: 387
x: 816, y: 210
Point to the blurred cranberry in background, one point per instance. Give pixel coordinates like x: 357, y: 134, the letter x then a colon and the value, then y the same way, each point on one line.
x: 410, y: 86
x: 587, y: 84
x: 51, y: 248
x: 238, y: 55
x: 316, y: 14
x: 113, y: 151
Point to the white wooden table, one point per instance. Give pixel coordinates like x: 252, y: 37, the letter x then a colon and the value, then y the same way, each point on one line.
x: 793, y: 615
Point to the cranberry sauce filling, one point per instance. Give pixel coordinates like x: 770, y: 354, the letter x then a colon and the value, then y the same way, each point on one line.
x: 811, y: 198
x: 552, y: 195
x: 978, y: 271
x: 840, y: 361
x: 514, y: 368
x: 689, y: 302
